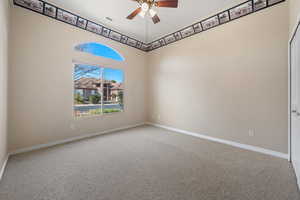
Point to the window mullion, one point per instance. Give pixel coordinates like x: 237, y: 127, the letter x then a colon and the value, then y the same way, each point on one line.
x: 102, y: 88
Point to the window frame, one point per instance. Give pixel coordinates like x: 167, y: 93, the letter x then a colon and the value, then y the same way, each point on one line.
x: 109, y: 66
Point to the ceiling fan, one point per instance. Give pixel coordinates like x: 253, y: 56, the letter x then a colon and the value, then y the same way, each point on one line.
x: 146, y: 6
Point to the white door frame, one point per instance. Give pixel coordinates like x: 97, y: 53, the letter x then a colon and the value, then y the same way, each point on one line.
x: 295, y: 29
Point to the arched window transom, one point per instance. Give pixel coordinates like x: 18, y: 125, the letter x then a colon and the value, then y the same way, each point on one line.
x: 97, y: 49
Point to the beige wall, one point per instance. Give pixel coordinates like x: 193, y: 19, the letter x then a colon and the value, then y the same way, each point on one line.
x: 294, y: 10
x: 41, y: 82
x: 4, y: 28
x: 226, y: 81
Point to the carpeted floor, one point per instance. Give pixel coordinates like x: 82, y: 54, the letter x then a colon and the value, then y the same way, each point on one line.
x: 147, y: 163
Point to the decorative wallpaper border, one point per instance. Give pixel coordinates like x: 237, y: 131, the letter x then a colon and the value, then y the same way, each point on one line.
x: 236, y: 12
x: 52, y: 11
x: 218, y: 19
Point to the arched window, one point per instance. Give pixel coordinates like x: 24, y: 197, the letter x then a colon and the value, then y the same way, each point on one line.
x: 97, y: 49
x: 97, y: 89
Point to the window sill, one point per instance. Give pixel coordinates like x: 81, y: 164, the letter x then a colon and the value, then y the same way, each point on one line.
x: 97, y: 116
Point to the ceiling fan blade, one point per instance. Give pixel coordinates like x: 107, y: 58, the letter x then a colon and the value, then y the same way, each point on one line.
x: 167, y: 3
x: 155, y: 19
x: 134, y: 13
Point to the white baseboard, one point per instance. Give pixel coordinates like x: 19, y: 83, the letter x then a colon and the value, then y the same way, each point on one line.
x: 3, y: 167
x: 231, y: 143
x: 296, y: 166
x: 73, y: 139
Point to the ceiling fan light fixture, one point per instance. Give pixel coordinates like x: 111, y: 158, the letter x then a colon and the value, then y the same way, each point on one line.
x: 145, y: 7
x: 152, y: 12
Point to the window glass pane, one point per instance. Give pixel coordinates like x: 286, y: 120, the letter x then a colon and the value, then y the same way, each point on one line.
x: 87, y: 90
x: 99, y: 50
x: 113, y: 90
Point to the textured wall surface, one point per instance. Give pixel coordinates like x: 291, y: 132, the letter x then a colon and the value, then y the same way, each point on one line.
x: 294, y: 11
x: 227, y: 81
x: 41, y: 81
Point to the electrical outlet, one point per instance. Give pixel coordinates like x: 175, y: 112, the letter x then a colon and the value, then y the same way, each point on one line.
x: 72, y: 126
x: 158, y: 117
x: 251, y: 132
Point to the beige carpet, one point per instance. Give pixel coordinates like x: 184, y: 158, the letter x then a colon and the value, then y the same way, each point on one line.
x: 147, y: 163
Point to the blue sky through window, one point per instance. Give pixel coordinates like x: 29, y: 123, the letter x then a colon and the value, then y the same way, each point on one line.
x: 99, y: 50
x: 86, y: 71
x: 114, y: 74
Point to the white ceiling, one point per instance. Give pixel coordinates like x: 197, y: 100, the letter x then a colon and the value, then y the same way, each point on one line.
x: 172, y: 19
